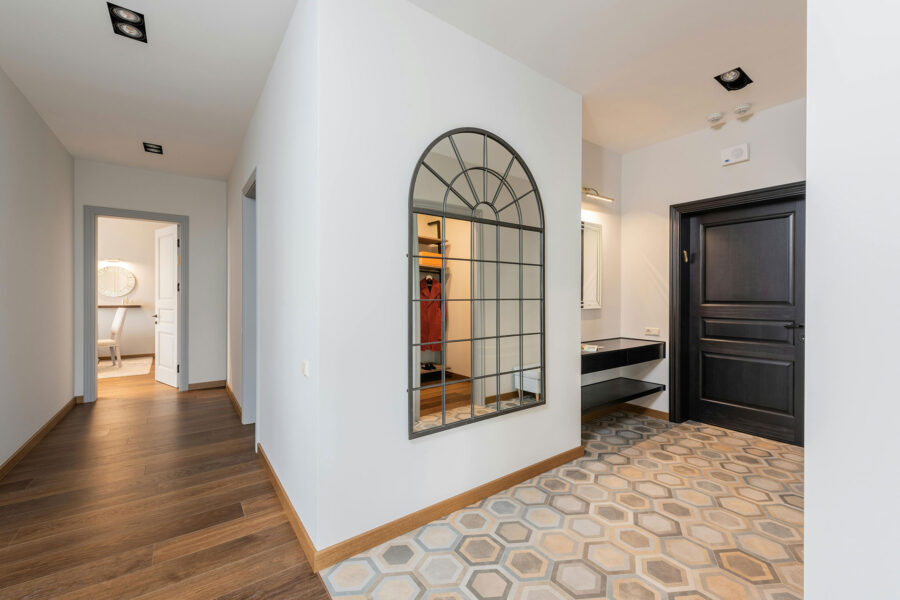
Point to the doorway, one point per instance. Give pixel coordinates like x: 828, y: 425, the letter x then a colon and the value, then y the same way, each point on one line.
x: 135, y: 298
x: 249, y: 304
x: 737, y: 312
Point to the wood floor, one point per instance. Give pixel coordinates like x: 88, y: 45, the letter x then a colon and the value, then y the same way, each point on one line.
x: 152, y: 494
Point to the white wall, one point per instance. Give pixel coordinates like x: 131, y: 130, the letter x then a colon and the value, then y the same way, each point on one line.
x: 203, y: 201
x: 429, y: 78
x: 35, y: 271
x: 852, y: 247
x: 334, y: 162
x: 281, y: 144
x: 681, y: 170
x: 131, y: 242
x: 601, y: 169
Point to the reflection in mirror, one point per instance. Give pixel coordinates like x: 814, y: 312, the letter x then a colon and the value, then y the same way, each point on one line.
x: 509, y: 317
x: 531, y: 316
x: 531, y: 247
x: 484, y: 280
x: 509, y: 244
x: 485, y: 241
x: 531, y: 282
x: 509, y: 281
x: 476, y: 323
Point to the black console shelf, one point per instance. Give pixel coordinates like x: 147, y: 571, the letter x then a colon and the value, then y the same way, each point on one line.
x: 615, y: 391
x: 613, y: 353
x: 619, y: 352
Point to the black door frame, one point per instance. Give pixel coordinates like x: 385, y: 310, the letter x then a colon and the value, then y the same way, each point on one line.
x: 679, y: 290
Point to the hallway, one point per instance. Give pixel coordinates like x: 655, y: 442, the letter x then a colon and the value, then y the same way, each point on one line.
x: 149, y: 493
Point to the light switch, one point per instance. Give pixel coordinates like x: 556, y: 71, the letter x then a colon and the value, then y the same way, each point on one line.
x: 651, y: 330
x: 306, y: 368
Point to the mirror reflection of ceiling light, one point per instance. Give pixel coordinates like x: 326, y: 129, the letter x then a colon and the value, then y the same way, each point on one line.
x: 593, y: 194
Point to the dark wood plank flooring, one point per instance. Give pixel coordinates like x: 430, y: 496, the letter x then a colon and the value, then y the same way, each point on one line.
x: 148, y: 493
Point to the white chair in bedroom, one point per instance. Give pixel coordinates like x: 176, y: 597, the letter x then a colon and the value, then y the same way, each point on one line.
x: 115, y: 335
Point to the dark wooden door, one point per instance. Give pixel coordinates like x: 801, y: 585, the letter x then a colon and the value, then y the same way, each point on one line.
x: 746, y: 336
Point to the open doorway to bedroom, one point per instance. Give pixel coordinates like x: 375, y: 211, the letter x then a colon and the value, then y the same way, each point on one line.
x: 136, y: 285
x: 137, y: 313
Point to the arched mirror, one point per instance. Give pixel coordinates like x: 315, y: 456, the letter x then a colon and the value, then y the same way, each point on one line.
x: 476, y: 267
x: 115, y: 281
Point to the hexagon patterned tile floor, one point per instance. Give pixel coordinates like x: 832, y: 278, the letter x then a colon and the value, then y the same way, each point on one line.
x: 654, y: 511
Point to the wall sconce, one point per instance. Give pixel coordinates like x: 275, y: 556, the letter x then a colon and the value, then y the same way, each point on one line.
x: 594, y: 194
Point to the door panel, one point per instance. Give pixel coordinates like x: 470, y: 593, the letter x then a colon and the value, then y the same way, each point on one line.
x: 745, y: 350
x: 748, y: 330
x: 166, y: 280
x: 765, y: 384
x: 749, y: 261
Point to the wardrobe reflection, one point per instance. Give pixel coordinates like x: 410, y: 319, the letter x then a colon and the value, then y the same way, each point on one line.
x: 476, y: 319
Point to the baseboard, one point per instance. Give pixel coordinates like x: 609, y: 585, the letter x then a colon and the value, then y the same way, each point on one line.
x: 78, y: 399
x: 124, y: 356
x: 293, y: 518
x: 234, y: 402
x: 632, y: 408
x: 320, y: 559
x: 206, y: 385
x: 22, y: 452
x: 650, y: 412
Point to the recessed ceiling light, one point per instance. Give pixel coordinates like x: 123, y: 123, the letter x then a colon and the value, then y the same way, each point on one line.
x: 714, y: 117
x: 152, y: 148
x: 129, y: 30
x: 734, y: 79
x: 127, y: 23
x: 127, y: 15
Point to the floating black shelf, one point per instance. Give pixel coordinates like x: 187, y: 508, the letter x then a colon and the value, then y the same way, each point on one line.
x: 619, y: 352
x: 615, y: 391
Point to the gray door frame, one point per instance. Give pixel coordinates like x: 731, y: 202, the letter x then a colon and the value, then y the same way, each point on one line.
x: 249, y: 306
x: 91, y: 213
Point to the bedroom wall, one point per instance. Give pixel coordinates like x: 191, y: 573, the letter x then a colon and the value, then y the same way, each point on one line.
x: 131, y: 242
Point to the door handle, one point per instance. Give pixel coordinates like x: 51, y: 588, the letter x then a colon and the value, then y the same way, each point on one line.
x: 156, y: 319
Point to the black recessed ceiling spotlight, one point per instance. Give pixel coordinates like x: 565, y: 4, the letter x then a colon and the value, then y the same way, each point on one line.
x: 127, y: 22
x: 152, y: 148
x: 735, y: 79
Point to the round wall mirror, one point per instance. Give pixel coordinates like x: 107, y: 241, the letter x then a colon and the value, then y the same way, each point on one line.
x: 115, y: 281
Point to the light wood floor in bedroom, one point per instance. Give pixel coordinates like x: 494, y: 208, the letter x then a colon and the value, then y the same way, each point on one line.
x: 148, y: 493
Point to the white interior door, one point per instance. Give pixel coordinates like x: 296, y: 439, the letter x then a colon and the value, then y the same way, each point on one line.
x: 167, y: 289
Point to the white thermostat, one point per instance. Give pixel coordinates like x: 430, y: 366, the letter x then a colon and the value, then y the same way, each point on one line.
x: 735, y: 154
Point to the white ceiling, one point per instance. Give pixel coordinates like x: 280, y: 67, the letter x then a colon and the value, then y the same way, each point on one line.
x: 192, y: 88
x: 646, y: 67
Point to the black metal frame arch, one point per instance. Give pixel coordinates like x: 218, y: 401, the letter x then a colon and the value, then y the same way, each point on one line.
x: 443, y: 213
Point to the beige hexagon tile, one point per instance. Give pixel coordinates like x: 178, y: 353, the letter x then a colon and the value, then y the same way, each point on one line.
x: 654, y: 511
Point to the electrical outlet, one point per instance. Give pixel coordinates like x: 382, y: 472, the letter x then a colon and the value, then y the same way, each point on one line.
x: 651, y: 330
